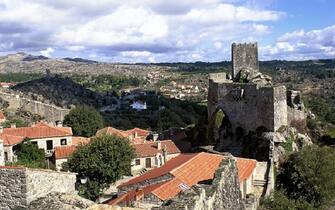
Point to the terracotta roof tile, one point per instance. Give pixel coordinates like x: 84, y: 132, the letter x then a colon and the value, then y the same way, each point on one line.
x: 39, y: 131
x: 141, y: 133
x: 185, y: 170
x: 62, y: 152
x: 79, y: 140
x: 131, y: 195
x: 2, y: 116
x: 165, y: 169
x: 9, y: 140
x: 149, y: 149
x: 245, y: 168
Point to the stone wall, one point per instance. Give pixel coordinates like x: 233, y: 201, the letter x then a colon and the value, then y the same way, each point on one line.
x: 248, y: 106
x: 42, y: 182
x: 19, y: 186
x: 222, y: 194
x: 12, y: 187
x: 2, y: 153
x: 244, y: 56
x: 51, y: 113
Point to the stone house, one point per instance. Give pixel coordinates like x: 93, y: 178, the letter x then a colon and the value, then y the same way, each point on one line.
x: 46, y: 137
x: 153, y: 154
x: 19, y: 186
x: 62, y: 153
x: 179, y: 175
x: 135, y: 135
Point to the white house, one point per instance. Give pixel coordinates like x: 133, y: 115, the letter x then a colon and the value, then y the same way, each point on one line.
x: 139, y: 105
x: 46, y: 137
x: 2, y: 154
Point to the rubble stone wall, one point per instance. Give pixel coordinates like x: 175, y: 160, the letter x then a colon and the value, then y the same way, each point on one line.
x: 222, y: 194
x: 12, y: 188
x: 19, y: 186
x: 51, y: 113
x: 42, y: 182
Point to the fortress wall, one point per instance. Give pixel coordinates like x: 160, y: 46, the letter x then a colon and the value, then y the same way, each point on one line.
x: 245, y: 105
x: 280, y: 107
x: 51, y: 113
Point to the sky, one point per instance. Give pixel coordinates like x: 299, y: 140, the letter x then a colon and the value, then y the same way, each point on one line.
x: 167, y: 30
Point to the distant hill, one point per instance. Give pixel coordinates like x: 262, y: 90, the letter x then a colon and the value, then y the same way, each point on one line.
x: 25, y: 63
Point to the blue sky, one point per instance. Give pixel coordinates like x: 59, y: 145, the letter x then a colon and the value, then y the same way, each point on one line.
x: 167, y: 31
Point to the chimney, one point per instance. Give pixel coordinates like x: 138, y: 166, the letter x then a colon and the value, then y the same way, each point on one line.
x: 165, y: 153
x: 155, y: 136
x: 13, y: 125
x: 159, y: 145
x: 59, y: 123
x: 1, y: 129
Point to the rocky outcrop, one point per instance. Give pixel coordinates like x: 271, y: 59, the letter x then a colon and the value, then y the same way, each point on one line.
x: 223, y: 193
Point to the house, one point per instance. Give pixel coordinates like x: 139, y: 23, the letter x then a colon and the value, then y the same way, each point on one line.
x: 62, y: 153
x: 139, y: 105
x: 46, y: 137
x: 2, y: 117
x: 153, y: 154
x: 2, y: 154
x: 135, y: 135
x: 178, y: 174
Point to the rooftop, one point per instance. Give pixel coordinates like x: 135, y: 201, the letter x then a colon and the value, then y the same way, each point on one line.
x: 150, y: 148
x: 185, y: 173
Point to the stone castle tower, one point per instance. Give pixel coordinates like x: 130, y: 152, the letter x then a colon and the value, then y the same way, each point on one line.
x: 244, y: 57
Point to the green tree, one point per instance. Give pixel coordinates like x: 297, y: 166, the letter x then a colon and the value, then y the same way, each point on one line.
x: 106, y: 159
x: 309, y: 175
x: 84, y: 120
x: 29, y: 155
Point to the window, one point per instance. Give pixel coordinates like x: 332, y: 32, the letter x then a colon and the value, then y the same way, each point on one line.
x: 63, y: 142
x: 49, y: 145
x: 137, y: 162
x: 34, y: 142
x: 6, y: 156
x: 148, y: 162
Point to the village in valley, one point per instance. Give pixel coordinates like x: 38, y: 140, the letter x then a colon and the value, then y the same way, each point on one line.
x: 252, y: 124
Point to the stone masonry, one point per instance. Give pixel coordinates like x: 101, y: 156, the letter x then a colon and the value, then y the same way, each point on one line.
x: 248, y: 105
x: 19, y: 186
x: 51, y: 113
x: 223, y: 193
x: 244, y: 57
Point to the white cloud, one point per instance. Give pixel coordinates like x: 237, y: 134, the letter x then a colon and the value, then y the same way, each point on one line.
x: 300, y: 45
x: 168, y: 30
x: 47, y: 52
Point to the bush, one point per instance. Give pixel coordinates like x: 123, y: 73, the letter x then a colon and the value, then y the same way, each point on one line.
x: 103, y: 161
x: 309, y: 175
x: 29, y: 155
x: 84, y: 120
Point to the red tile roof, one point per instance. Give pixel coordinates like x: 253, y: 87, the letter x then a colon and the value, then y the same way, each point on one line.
x: 63, y: 152
x: 79, y: 140
x: 39, y: 131
x: 149, y: 149
x: 2, y: 116
x: 165, y: 169
x: 9, y: 140
x: 245, y: 168
x: 185, y: 170
x: 141, y: 133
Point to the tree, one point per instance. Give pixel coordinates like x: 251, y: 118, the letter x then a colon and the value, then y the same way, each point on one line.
x: 84, y: 120
x: 103, y: 161
x: 309, y: 175
x: 29, y: 155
